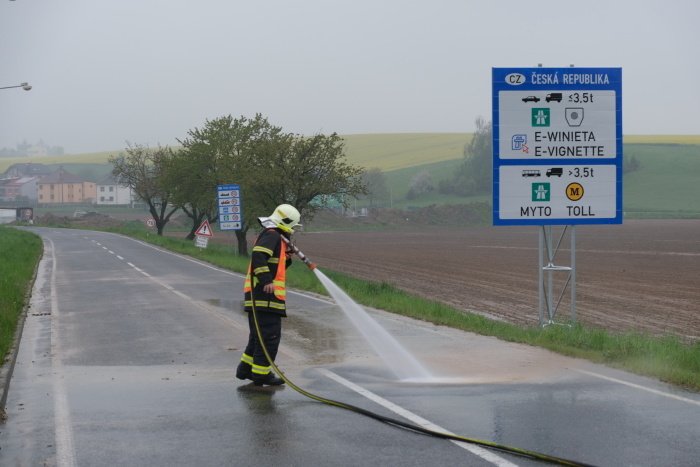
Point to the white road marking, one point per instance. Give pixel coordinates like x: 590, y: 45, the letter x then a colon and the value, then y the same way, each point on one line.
x: 138, y: 269
x: 65, y: 447
x: 638, y: 386
x: 418, y: 420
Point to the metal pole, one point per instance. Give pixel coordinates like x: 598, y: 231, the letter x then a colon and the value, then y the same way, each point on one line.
x: 573, y: 274
x: 25, y: 86
x: 540, y: 287
x: 550, y: 278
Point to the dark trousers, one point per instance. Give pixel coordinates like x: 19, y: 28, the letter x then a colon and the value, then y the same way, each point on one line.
x: 271, y: 330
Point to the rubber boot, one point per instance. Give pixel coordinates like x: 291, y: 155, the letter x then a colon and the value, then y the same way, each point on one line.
x: 269, y: 379
x: 244, y: 371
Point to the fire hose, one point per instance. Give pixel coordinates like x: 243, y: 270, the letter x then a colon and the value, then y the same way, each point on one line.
x: 392, y: 421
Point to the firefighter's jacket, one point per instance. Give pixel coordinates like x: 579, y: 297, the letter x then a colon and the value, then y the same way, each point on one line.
x: 268, y: 264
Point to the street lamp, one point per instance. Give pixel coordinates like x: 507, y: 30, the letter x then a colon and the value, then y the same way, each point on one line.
x: 25, y: 86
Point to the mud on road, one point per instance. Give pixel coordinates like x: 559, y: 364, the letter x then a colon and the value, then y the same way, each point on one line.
x: 643, y: 275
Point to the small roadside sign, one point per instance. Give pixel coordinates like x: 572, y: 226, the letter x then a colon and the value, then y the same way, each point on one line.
x: 204, y: 230
x: 230, y: 207
x: 200, y: 241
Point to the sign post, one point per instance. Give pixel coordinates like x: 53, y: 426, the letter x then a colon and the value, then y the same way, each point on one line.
x: 557, y: 156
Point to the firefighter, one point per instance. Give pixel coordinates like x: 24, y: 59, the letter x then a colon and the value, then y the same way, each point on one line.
x: 265, y: 283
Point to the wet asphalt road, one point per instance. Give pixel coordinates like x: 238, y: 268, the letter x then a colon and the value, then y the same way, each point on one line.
x: 128, y: 353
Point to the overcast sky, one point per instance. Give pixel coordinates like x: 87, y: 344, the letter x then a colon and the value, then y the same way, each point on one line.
x: 105, y: 72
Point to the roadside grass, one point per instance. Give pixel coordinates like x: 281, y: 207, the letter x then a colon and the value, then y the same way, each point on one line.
x: 19, y: 254
x: 667, y: 357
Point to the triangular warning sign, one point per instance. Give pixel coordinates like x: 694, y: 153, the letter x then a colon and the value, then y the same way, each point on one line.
x: 204, y: 230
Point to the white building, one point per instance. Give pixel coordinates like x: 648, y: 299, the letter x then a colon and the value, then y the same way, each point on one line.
x: 110, y: 192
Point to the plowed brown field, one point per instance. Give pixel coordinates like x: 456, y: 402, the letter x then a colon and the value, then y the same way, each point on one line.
x: 639, y: 276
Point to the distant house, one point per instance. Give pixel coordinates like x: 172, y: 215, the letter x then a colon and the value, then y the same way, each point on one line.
x: 11, y: 188
x: 111, y: 192
x: 38, y: 150
x: 61, y: 187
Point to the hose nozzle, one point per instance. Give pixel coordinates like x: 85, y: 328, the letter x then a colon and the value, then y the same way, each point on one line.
x: 298, y: 252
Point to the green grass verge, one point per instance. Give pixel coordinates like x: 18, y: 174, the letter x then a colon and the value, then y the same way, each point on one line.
x: 19, y: 254
x: 666, y: 358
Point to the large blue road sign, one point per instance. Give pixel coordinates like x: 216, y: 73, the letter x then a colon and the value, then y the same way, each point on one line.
x: 557, y: 146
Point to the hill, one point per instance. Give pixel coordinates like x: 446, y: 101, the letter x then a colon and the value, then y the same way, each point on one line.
x: 665, y: 185
x: 385, y: 151
x: 66, y: 159
x: 400, y: 150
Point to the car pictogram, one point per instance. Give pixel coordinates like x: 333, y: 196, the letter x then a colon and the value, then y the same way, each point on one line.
x: 531, y: 99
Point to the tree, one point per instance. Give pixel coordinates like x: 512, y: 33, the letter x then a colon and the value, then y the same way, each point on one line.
x: 223, y: 151
x: 272, y: 167
x: 421, y: 183
x: 377, y: 191
x: 479, y: 157
x: 197, y: 170
x: 630, y: 164
x: 298, y: 170
x: 249, y: 149
x: 475, y: 174
x: 189, y: 175
x: 142, y: 170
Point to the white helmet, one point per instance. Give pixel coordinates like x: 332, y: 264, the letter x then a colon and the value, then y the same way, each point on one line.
x: 285, y: 217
